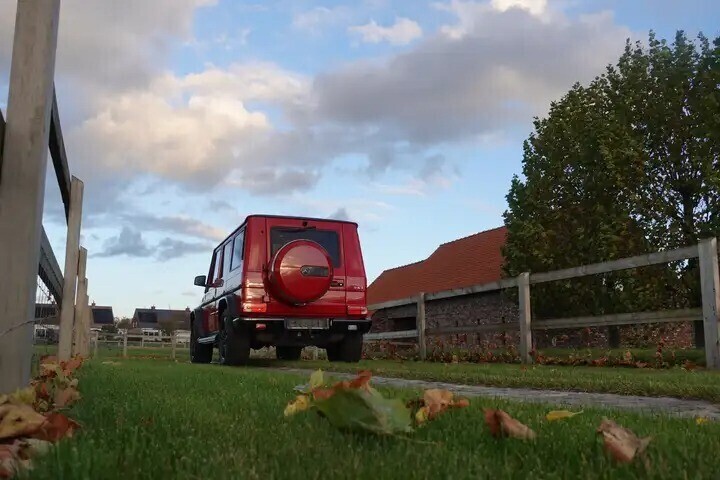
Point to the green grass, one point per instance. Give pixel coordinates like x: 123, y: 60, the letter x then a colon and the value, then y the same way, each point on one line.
x: 676, y: 382
x: 697, y: 384
x: 152, y: 419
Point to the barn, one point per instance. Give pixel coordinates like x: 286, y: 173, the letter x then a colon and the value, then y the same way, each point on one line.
x: 472, y: 260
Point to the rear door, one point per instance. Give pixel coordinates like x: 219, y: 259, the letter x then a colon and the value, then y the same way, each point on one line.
x: 280, y: 231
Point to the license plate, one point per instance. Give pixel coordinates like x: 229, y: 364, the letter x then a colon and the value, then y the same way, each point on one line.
x: 307, y: 323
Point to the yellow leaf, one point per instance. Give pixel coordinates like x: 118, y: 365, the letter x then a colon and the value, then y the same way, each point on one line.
x: 701, y: 420
x: 316, y: 379
x: 560, y: 414
x: 66, y: 397
x: 300, y: 404
x: 421, y: 415
x: 17, y: 420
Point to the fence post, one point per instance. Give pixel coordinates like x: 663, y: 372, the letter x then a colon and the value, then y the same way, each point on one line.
x: 80, y: 304
x: 420, y: 325
x: 173, y: 340
x: 22, y: 190
x: 72, y: 252
x: 86, y: 321
x: 524, y: 317
x: 96, y: 339
x: 125, y: 343
x: 710, y: 287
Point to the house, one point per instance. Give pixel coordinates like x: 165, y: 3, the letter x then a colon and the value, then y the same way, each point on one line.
x: 155, y: 318
x: 472, y: 260
x: 49, y: 314
x: 101, y: 315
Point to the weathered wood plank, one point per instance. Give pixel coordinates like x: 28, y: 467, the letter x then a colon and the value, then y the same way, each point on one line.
x: 710, y: 287
x: 22, y: 182
x: 81, y: 304
x: 485, y: 287
x: 420, y: 325
x: 369, y: 337
x: 392, y: 304
x: 663, y: 316
x: 59, y: 157
x: 524, y: 317
x: 616, y: 265
x: 458, y: 330
x: 72, y: 251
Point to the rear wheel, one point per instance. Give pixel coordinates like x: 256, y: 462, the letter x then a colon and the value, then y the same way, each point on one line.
x: 233, y: 346
x: 199, y: 353
x: 288, y: 353
x: 349, y: 349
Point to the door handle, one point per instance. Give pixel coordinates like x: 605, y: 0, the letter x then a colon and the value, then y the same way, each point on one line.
x: 337, y: 283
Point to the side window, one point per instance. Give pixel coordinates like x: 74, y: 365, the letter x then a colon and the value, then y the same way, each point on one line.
x: 218, y: 265
x: 238, y: 244
x: 214, y: 268
x: 227, y: 252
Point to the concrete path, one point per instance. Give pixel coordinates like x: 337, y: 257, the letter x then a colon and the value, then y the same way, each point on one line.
x: 666, y: 405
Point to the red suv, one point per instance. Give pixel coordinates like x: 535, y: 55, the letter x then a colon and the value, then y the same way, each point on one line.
x: 286, y: 282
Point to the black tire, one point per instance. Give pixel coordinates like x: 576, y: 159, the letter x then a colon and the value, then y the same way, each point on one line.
x: 233, y: 345
x: 288, y: 353
x: 332, y: 352
x: 199, y: 352
x: 348, y: 350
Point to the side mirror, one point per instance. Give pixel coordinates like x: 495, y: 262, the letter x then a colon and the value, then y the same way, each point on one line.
x: 201, y: 281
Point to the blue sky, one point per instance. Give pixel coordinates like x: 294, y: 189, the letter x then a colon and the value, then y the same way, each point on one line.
x: 183, y: 116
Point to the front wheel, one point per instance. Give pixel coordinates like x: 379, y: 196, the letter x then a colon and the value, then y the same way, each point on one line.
x: 199, y: 353
x: 233, y: 346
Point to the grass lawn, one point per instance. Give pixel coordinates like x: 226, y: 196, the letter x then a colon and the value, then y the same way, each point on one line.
x: 675, y: 382
x: 155, y: 419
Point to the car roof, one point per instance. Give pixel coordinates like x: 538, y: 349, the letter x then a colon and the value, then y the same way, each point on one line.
x: 289, y: 217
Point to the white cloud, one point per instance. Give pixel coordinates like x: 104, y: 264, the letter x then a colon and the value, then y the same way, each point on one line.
x: 402, y: 32
x: 318, y: 18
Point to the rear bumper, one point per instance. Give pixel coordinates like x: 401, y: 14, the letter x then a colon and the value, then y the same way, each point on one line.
x: 272, y: 331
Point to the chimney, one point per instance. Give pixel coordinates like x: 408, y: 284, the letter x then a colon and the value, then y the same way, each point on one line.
x: 93, y: 304
x: 152, y: 308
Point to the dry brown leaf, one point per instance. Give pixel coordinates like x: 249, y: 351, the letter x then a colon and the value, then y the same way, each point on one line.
x: 66, y: 397
x: 19, y: 420
x: 620, y: 442
x: 502, y: 424
x: 434, y: 402
x: 58, y: 426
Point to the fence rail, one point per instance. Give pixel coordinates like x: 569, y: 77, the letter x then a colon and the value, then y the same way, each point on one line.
x: 706, y: 251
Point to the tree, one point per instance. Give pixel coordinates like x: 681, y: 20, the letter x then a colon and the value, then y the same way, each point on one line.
x: 626, y: 165
x: 169, y: 325
x: 124, y: 323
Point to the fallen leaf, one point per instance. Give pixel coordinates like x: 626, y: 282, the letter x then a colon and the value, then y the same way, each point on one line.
x: 56, y: 427
x: 501, y: 424
x: 299, y: 404
x: 317, y: 379
x: 18, y: 420
x: 71, y: 365
x: 4, y: 399
x: 8, y: 460
x: 620, y: 442
x: 561, y: 414
x: 66, y: 397
x: 701, y: 420
x: 30, y: 447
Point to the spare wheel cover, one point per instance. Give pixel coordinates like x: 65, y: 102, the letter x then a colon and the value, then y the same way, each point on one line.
x: 300, y: 272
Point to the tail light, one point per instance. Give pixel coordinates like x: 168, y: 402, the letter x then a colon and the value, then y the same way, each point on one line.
x: 356, y: 310
x: 248, y: 307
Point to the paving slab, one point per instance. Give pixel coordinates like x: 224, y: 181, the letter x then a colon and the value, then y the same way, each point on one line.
x: 665, y: 405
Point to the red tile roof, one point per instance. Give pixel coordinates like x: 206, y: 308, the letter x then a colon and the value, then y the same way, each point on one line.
x: 471, y: 260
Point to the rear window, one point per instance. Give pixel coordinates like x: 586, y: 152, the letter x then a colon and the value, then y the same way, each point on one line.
x: 329, y: 239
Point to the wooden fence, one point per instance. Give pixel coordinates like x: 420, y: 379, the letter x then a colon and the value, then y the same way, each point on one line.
x: 706, y: 251
x: 31, y: 129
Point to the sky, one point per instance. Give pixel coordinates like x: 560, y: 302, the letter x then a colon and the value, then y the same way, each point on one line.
x: 408, y: 117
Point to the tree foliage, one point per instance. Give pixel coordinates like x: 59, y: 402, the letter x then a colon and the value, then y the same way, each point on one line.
x: 626, y: 165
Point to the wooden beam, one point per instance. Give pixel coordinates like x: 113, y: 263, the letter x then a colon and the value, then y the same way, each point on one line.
x: 710, y: 287
x: 663, y: 316
x: 392, y: 304
x: 72, y: 251
x: 524, y: 317
x: 420, y: 325
x: 616, y: 265
x: 80, y: 304
x: 390, y: 335
x: 59, y: 157
x: 460, y: 329
x: 22, y: 182
x: 485, y: 287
